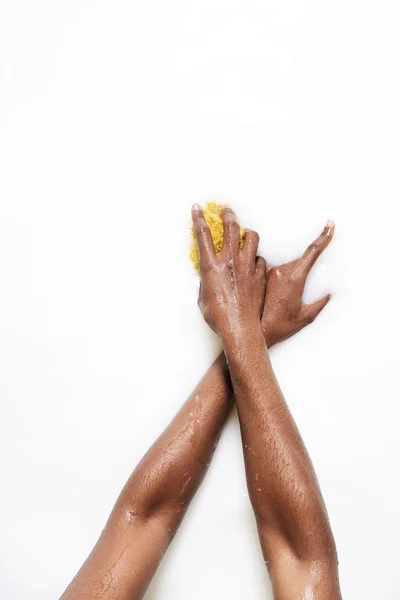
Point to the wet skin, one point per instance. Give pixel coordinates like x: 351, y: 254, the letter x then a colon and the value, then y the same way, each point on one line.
x: 296, y: 539
x: 294, y: 530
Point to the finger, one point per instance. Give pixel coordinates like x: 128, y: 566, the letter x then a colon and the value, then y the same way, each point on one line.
x: 231, y: 230
x: 261, y: 265
x: 250, y: 246
x: 309, y: 312
x: 314, y: 250
x: 203, y: 237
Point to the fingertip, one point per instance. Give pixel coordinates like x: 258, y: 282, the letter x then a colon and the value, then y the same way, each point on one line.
x: 197, y: 214
x: 228, y: 213
x: 325, y: 300
x: 310, y: 312
x: 321, y: 304
x: 329, y: 228
x: 261, y: 264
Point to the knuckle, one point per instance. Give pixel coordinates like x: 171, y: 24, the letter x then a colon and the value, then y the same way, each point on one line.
x: 274, y: 272
x: 313, y: 248
x: 261, y: 265
x: 310, y: 318
x: 227, y: 210
x: 203, y: 229
x: 206, y: 267
x: 233, y: 225
x: 198, y: 225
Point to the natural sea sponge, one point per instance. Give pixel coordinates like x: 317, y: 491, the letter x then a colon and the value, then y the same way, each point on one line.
x: 213, y: 216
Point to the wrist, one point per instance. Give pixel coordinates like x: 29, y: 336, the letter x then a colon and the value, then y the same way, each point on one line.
x: 269, y: 330
x: 241, y: 334
x: 246, y: 355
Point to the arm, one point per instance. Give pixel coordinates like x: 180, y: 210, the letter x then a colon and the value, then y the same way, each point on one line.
x: 155, y: 498
x: 293, y: 525
x: 294, y: 529
x: 153, y: 502
x: 287, y: 502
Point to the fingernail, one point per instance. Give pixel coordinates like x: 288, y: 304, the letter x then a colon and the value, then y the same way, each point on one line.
x: 227, y: 206
x: 329, y: 224
x: 196, y: 207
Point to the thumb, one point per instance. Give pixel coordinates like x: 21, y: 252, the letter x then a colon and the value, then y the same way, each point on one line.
x: 309, y: 312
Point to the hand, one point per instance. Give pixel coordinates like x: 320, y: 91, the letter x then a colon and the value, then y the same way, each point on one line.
x: 284, y: 314
x: 232, y: 288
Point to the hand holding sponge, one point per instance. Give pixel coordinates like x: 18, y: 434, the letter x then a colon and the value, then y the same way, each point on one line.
x: 213, y: 216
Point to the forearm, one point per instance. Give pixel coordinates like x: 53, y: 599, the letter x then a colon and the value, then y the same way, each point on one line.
x: 169, y: 474
x: 282, y: 484
x: 156, y: 496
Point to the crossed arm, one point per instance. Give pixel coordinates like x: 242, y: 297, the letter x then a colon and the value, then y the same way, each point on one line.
x: 152, y: 504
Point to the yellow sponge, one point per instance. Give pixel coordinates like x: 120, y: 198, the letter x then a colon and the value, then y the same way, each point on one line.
x: 213, y: 216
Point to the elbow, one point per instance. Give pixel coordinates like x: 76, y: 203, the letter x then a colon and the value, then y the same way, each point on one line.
x: 317, y: 555
x: 146, y: 510
x: 312, y: 551
x: 318, y: 548
x: 322, y: 564
x: 150, y: 498
x: 312, y: 568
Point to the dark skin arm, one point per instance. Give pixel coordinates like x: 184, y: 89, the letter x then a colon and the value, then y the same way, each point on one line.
x: 152, y: 504
x: 293, y: 525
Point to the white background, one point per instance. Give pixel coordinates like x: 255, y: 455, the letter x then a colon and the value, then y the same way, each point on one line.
x: 115, y: 117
